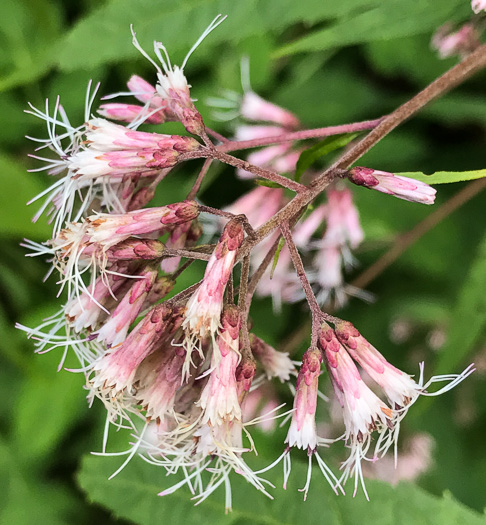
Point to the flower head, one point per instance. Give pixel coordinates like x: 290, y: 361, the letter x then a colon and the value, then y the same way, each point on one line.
x: 172, y: 86
x: 203, y: 311
x: 154, y: 111
x: 219, y: 398
x: 274, y: 363
x: 115, y: 371
x: 402, y: 187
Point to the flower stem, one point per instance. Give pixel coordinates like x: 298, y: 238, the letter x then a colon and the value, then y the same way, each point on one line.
x: 260, y: 172
x: 233, y: 145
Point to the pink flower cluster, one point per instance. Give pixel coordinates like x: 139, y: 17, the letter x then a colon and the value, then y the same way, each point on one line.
x: 185, y: 373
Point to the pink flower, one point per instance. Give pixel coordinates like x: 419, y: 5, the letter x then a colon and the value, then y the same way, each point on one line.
x: 157, y: 380
x: 203, y: 310
x: 363, y: 411
x: 400, y: 388
x: 115, y: 150
x: 343, y: 224
x: 90, y: 307
x: 145, y: 92
x: 343, y: 233
x: 274, y: 363
x: 108, y: 229
x: 402, y: 187
x: 135, y: 249
x: 254, y: 107
x: 302, y: 431
x: 329, y: 274
x: 219, y: 398
x: 115, y: 328
x: 172, y: 86
x: 280, y: 158
x: 155, y: 110
x: 461, y: 42
x: 115, y: 371
x: 182, y: 236
x: 478, y: 5
x: 246, y: 132
x: 259, y: 205
x: 304, y: 230
x: 128, y: 113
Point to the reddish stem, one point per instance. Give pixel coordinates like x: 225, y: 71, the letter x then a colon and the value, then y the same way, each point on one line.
x: 272, y: 176
x: 233, y: 145
x: 197, y: 184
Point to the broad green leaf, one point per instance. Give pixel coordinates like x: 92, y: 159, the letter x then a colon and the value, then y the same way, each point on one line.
x: 445, y: 177
x: 321, y: 149
x: 19, y: 124
x: 18, y: 187
x: 324, y: 97
x: 133, y: 495
x: 104, y: 35
x: 468, y: 319
x: 399, y: 57
x: 25, y: 500
x: 49, y: 402
x: 28, y: 33
x: 48, y: 406
x: 389, y: 20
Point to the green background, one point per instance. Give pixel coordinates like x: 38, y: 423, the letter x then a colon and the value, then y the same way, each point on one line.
x: 331, y: 62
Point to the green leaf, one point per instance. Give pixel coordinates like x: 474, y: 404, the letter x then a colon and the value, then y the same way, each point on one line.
x: 48, y: 405
x: 104, y: 35
x: 445, y: 177
x: 321, y: 149
x: 49, y: 402
x: 281, y: 243
x: 18, y: 187
x: 268, y: 183
x: 133, y: 495
x: 29, y: 30
x: 388, y: 20
x: 468, y: 317
x: 24, y: 499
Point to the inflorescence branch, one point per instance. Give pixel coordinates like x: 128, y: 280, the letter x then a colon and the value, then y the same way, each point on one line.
x: 181, y: 369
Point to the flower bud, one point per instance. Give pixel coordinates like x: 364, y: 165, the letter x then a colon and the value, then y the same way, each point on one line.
x: 402, y: 187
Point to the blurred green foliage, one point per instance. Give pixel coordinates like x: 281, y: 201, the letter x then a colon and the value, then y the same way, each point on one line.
x: 331, y: 62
